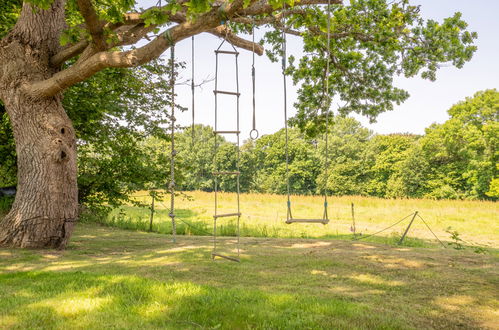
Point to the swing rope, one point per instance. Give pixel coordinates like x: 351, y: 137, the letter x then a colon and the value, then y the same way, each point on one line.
x: 173, y: 152
x: 326, y: 103
x: 326, y: 106
x: 284, y: 55
x: 254, y: 132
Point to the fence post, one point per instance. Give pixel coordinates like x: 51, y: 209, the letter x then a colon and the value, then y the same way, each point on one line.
x: 153, y: 195
x: 407, y: 229
x: 353, y: 222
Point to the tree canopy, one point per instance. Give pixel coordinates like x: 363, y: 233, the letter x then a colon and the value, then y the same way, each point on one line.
x: 372, y: 41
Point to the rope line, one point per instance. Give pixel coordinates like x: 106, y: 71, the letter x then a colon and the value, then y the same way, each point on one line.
x: 189, y: 224
x: 396, y: 223
x: 431, y: 230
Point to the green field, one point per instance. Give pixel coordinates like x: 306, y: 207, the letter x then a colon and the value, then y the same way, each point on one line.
x: 111, y: 278
x: 477, y: 222
x: 290, y: 276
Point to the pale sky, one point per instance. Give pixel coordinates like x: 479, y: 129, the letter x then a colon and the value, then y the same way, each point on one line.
x: 428, y: 103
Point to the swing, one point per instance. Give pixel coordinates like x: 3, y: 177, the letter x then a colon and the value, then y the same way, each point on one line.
x: 289, y: 215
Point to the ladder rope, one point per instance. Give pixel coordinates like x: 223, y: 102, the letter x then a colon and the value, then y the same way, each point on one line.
x: 215, y: 160
x: 173, y: 152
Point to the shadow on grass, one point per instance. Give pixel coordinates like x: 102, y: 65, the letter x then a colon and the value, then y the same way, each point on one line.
x: 84, y: 300
x: 115, y: 278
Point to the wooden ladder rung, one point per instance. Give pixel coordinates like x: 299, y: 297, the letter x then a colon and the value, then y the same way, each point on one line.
x: 227, y: 215
x: 226, y: 173
x: 225, y: 92
x: 323, y: 221
x: 226, y: 132
x: 213, y: 255
x: 226, y: 52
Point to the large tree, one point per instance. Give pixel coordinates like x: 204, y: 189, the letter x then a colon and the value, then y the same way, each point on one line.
x: 56, y: 44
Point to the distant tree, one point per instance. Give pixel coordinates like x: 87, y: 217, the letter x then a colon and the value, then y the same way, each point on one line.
x: 385, y: 155
x: 458, y: 159
x: 8, y: 166
x: 270, y: 160
x: 348, y: 164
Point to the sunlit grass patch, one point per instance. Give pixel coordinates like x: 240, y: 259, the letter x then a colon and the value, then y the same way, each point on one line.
x: 111, y: 278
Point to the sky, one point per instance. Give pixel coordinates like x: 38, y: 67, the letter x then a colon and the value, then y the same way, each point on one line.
x: 428, y: 103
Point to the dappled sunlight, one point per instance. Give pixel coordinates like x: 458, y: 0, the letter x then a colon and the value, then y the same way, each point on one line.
x: 72, y: 306
x: 363, y: 246
x: 454, y: 303
x: 354, y: 292
x: 8, y: 321
x: 310, y: 245
x: 142, y: 280
x: 393, y: 263
x: 374, y: 279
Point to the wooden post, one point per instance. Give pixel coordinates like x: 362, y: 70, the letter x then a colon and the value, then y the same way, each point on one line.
x: 353, y: 221
x: 407, y: 229
x: 152, y: 211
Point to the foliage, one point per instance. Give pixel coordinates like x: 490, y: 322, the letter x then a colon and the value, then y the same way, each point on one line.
x: 9, y: 12
x: 372, y: 41
x: 8, y: 166
x: 113, y: 113
x: 462, y: 154
x: 123, y: 108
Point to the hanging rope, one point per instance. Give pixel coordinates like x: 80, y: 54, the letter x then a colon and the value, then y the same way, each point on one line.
x: 192, y: 90
x: 284, y: 55
x: 326, y: 106
x: 254, y: 132
x: 173, y: 152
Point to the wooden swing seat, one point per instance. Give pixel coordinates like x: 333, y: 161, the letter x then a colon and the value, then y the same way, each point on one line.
x: 323, y: 221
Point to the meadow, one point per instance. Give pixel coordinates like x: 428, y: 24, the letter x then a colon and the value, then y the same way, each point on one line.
x: 475, y: 222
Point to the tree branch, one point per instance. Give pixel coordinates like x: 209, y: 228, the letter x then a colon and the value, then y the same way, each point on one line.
x: 93, y: 61
x: 67, y: 53
x: 223, y: 32
x: 93, y: 24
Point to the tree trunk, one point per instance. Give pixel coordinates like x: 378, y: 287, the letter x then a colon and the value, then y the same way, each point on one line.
x: 46, y: 204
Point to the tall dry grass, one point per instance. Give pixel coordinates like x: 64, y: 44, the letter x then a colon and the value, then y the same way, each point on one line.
x: 477, y: 222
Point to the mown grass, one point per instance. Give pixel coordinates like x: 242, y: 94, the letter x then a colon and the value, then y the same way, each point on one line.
x: 477, y: 222
x: 110, y: 278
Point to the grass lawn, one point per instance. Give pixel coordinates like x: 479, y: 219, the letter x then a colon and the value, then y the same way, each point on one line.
x: 477, y: 222
x: 111, y: 278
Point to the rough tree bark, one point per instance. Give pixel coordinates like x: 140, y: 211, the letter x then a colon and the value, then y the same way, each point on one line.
x: 45, y: 207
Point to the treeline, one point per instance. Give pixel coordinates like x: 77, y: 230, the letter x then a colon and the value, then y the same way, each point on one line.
x: 454, y: 160
x: 124, y: 147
